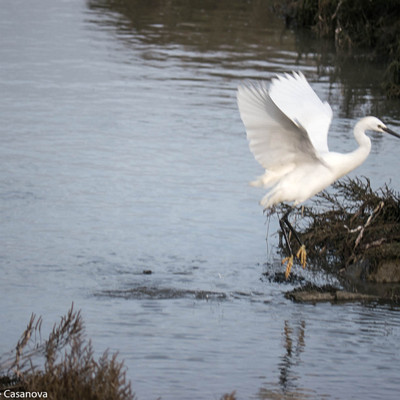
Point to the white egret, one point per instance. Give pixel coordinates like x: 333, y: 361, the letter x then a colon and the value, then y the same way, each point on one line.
x: 287, y: 128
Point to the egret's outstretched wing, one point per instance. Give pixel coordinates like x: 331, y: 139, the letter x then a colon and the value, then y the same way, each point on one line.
x: 295, y: 98
x: 274, y: 139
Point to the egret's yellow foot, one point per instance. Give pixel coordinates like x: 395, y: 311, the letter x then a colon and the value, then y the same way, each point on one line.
x: 289, y: 261
x: 302, y: 255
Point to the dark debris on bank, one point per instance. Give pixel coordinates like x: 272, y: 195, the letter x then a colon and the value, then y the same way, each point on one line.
x: 353, y: 233
x: 372, y: 27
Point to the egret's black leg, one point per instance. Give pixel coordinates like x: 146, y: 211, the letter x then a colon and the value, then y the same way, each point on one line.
x: 288, y: 260
x: 282, y: 222
x: 289, y: 225
x: 301, y: 254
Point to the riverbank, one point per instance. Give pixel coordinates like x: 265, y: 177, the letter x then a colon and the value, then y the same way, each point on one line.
x: 352, y: 233
x: 359, y: 29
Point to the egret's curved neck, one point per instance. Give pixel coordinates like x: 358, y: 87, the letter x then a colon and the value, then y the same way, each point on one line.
x: 362, y: 139
x: 359, y: 155
x: 344, y: 163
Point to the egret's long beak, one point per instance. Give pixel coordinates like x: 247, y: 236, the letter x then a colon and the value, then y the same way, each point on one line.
x: 391, y: 132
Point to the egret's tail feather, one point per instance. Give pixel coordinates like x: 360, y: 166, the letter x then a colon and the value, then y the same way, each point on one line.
x: 257, y: 182
x: 272, y: 198
x: 265, y: 180
x: 269, y: 178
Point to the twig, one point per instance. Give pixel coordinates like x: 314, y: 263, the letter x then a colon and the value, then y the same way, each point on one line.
x: 373, y: 214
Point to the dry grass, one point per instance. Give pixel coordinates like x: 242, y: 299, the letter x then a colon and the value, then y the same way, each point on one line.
x: 63, y: 366
x: 351, y: 223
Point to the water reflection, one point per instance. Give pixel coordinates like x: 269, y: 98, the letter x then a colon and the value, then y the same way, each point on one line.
x: 294, y: 346
x: 123, y: 152
x: 287, y: 387
x: 249, y: 41
x: 204, y: 26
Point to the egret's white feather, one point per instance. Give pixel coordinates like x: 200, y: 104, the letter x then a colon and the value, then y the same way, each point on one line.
x: 287, y: 128
x: 293, y: 95
x: 274, y: 139
x: 297, y: 100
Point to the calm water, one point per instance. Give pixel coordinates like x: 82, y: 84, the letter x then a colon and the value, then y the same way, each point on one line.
x: 122, y: 151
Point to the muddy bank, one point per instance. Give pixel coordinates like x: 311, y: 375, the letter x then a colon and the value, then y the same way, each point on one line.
x: 314, y: 294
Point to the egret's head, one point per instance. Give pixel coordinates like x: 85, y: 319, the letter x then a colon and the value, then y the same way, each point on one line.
x: 375, y: 124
